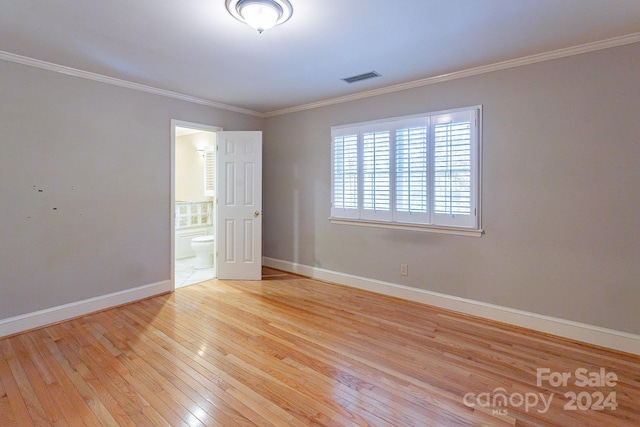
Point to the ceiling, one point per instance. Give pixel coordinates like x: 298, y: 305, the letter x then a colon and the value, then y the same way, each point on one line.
x: 195, y: 48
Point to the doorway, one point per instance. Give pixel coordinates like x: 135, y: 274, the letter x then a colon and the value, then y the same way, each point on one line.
x: 223, y: 204
x: 193, y: 217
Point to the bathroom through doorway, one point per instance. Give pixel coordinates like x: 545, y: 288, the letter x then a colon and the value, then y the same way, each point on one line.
x: 193, y: 172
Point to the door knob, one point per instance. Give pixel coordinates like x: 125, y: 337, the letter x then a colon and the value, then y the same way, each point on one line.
x: 256, y: 213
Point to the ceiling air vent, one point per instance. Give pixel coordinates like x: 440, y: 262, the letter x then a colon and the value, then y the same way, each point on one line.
x: 360, y: 77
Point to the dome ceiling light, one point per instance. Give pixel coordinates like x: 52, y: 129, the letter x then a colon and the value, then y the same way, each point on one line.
x: 260, y: 14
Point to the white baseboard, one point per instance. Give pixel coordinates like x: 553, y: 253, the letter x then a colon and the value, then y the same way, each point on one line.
x: 25, y: 322
x: 604, y: 337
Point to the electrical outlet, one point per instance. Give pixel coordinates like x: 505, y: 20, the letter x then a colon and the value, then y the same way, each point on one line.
x: 404, y: 269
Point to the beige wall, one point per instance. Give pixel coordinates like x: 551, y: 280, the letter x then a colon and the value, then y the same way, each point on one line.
x: 190, y: 166
x: 561, y: 192
x: 85, y: 186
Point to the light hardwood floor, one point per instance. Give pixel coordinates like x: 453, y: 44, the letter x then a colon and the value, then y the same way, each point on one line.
x: 290, y: 351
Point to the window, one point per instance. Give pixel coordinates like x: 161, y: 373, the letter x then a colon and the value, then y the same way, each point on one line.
x: 419, y: 171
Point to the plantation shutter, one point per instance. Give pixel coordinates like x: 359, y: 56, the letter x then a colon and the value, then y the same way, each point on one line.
x: 209, y: 171
x: 345, y: 174
x: 454, y: 169
x: 421, y: 170
x: 376, y: 174
x: 412, y: 178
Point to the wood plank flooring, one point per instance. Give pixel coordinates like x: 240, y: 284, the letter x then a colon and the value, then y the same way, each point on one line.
x: 291, y: 351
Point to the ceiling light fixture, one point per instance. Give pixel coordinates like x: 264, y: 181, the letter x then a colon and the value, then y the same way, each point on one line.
x: 260, y: 14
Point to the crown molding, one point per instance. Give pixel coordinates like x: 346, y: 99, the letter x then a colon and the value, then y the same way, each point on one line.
x: 504, y: 65
x: 527, y: 60
x: 122, y: 83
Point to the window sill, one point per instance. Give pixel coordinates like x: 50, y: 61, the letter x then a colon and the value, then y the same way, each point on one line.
x: 410, y: 227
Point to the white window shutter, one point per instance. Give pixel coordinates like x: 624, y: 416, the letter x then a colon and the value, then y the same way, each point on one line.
x: 209, y: 171
x: 454, y: 169
x: 376, y: 174
x: 412, y: 171
x: 345, y: 174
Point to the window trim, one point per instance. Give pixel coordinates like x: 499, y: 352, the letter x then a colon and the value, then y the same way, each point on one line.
x: 427, y: 228
x: 475, y: 230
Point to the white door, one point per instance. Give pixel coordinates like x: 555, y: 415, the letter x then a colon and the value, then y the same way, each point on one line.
x: 239, y: 206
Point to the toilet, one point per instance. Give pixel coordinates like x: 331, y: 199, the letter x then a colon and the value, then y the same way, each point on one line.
x: 203, y: 247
